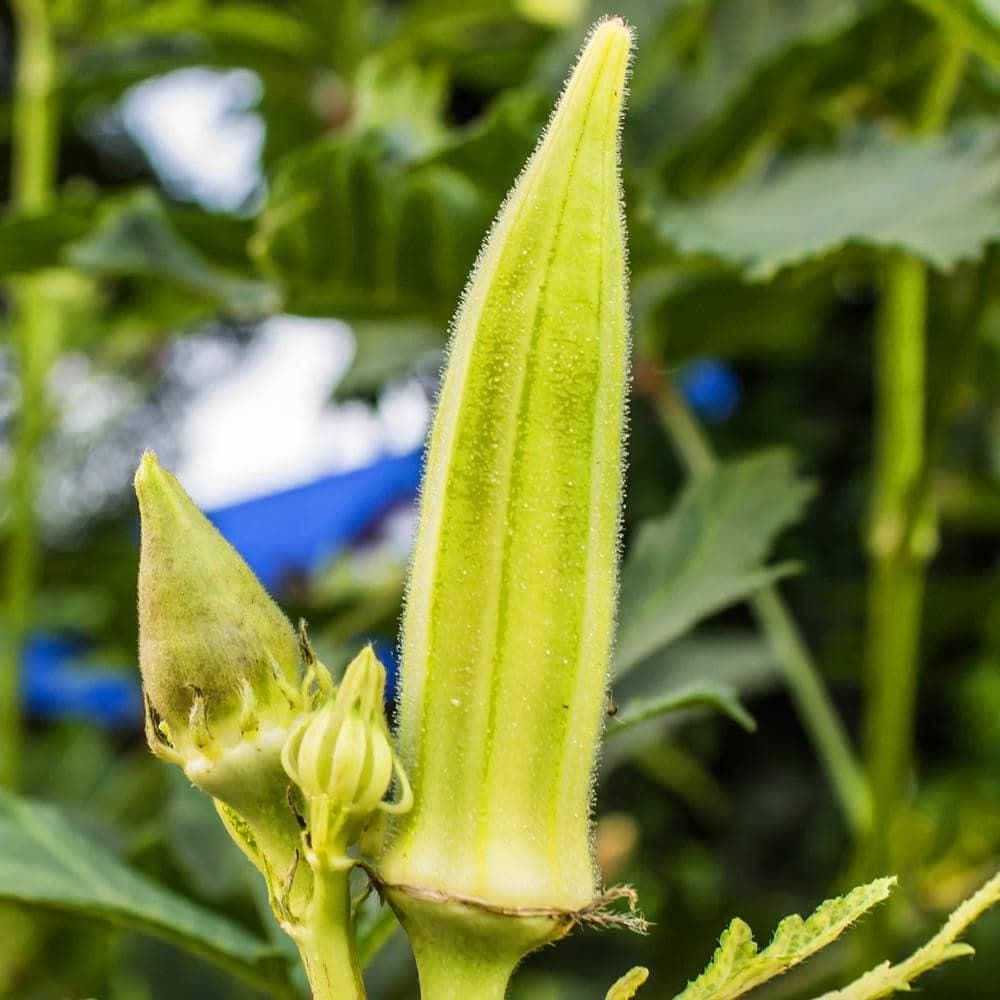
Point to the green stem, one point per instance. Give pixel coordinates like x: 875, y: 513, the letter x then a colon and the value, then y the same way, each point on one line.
x: 465, y: 951
x: 902, y: 534
x: 34, y: 118
x: 453, y: 974
x: 897, y: 563
x: 802, y: 676
x: 942, y: 89
x: 326, y: 939
x: 33, y: 339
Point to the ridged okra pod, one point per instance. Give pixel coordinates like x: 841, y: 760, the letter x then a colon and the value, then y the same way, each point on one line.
x: 510, y: 608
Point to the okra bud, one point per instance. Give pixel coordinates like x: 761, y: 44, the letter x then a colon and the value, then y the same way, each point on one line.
x: 220, y: 667
x: 217, y: 655
x: 342, y: 758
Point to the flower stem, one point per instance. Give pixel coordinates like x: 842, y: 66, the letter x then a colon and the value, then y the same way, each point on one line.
x: 34, y: 337
x: 802, y: 676
x: 902, y: 535
x: 326, y: 939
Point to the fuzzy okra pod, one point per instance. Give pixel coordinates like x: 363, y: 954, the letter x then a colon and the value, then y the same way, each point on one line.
x: 510, y: 605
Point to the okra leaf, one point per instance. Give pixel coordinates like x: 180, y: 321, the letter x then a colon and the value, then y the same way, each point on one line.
x: 713, y: 60
x: 886, y: 979
x: 698, y: 694
x: 350, y: 230
x: 936, y: 198
x: 376, y: 924
x: 739, y: 663
x: 707, y: 553
x: 45, y: 862
x: 738, y: 967
x: 719, y: 315
x: 406, y: 229
x: 135, y: 238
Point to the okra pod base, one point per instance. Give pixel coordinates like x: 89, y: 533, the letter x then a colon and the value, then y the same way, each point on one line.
x: 466, y: 948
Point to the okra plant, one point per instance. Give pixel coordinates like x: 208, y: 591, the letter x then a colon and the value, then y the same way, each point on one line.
x: 473, y: 819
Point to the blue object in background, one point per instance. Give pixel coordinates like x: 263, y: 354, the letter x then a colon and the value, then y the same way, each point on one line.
x: 711, y: 388
x: 282, y: 534
x: 297, y: 531
x: 389, y: 658
x: 56, y: 683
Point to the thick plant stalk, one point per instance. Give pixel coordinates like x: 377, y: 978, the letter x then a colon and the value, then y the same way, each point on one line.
x: 34, y: 338
x: 509, y: 613
x: 819, y: 717
x: 902, y: 536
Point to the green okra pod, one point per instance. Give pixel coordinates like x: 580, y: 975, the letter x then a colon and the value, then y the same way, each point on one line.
x: 510, y: 607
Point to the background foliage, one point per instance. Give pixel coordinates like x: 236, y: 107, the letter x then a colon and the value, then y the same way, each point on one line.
x: 814, y: 202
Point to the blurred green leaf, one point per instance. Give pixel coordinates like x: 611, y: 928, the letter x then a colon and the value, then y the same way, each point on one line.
x: 936, y: 198
x: 376, y: 924
x: 708, y: 57
x: 364, y: 224
x: 742, y: 662
x: 733, y: 661
x: 29, y: 243
x: 388, y: 349
x: 45, y: 862
x: 698, y: 694
x: 350, y: 230
x: 486, y: 44
x: 403, y: 101
x: 493, y: 149
x: 723, y: 316
x: 134, y: 238
x: 257, y: 24
x: 707, y: 553
x: 212, y: 864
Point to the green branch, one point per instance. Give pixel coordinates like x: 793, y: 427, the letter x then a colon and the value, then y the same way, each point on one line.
x: 34, y: 337
x: 902, y: 536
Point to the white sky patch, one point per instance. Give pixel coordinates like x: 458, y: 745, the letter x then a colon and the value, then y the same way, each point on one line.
x: 199, y: 130
x: 268, y: 424
x: 262, y: 421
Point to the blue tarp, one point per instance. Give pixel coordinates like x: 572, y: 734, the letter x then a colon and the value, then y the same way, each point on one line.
x: 58, y: 682
x: 295, y: 532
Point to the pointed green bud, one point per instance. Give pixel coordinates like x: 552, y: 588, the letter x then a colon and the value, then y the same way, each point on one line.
x: 342, y: 758
x: 220, y: 668
x: 218, y: 657
x: 510, y: 606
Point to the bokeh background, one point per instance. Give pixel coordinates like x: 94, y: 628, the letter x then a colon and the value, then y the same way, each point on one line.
x: 235, y: 232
